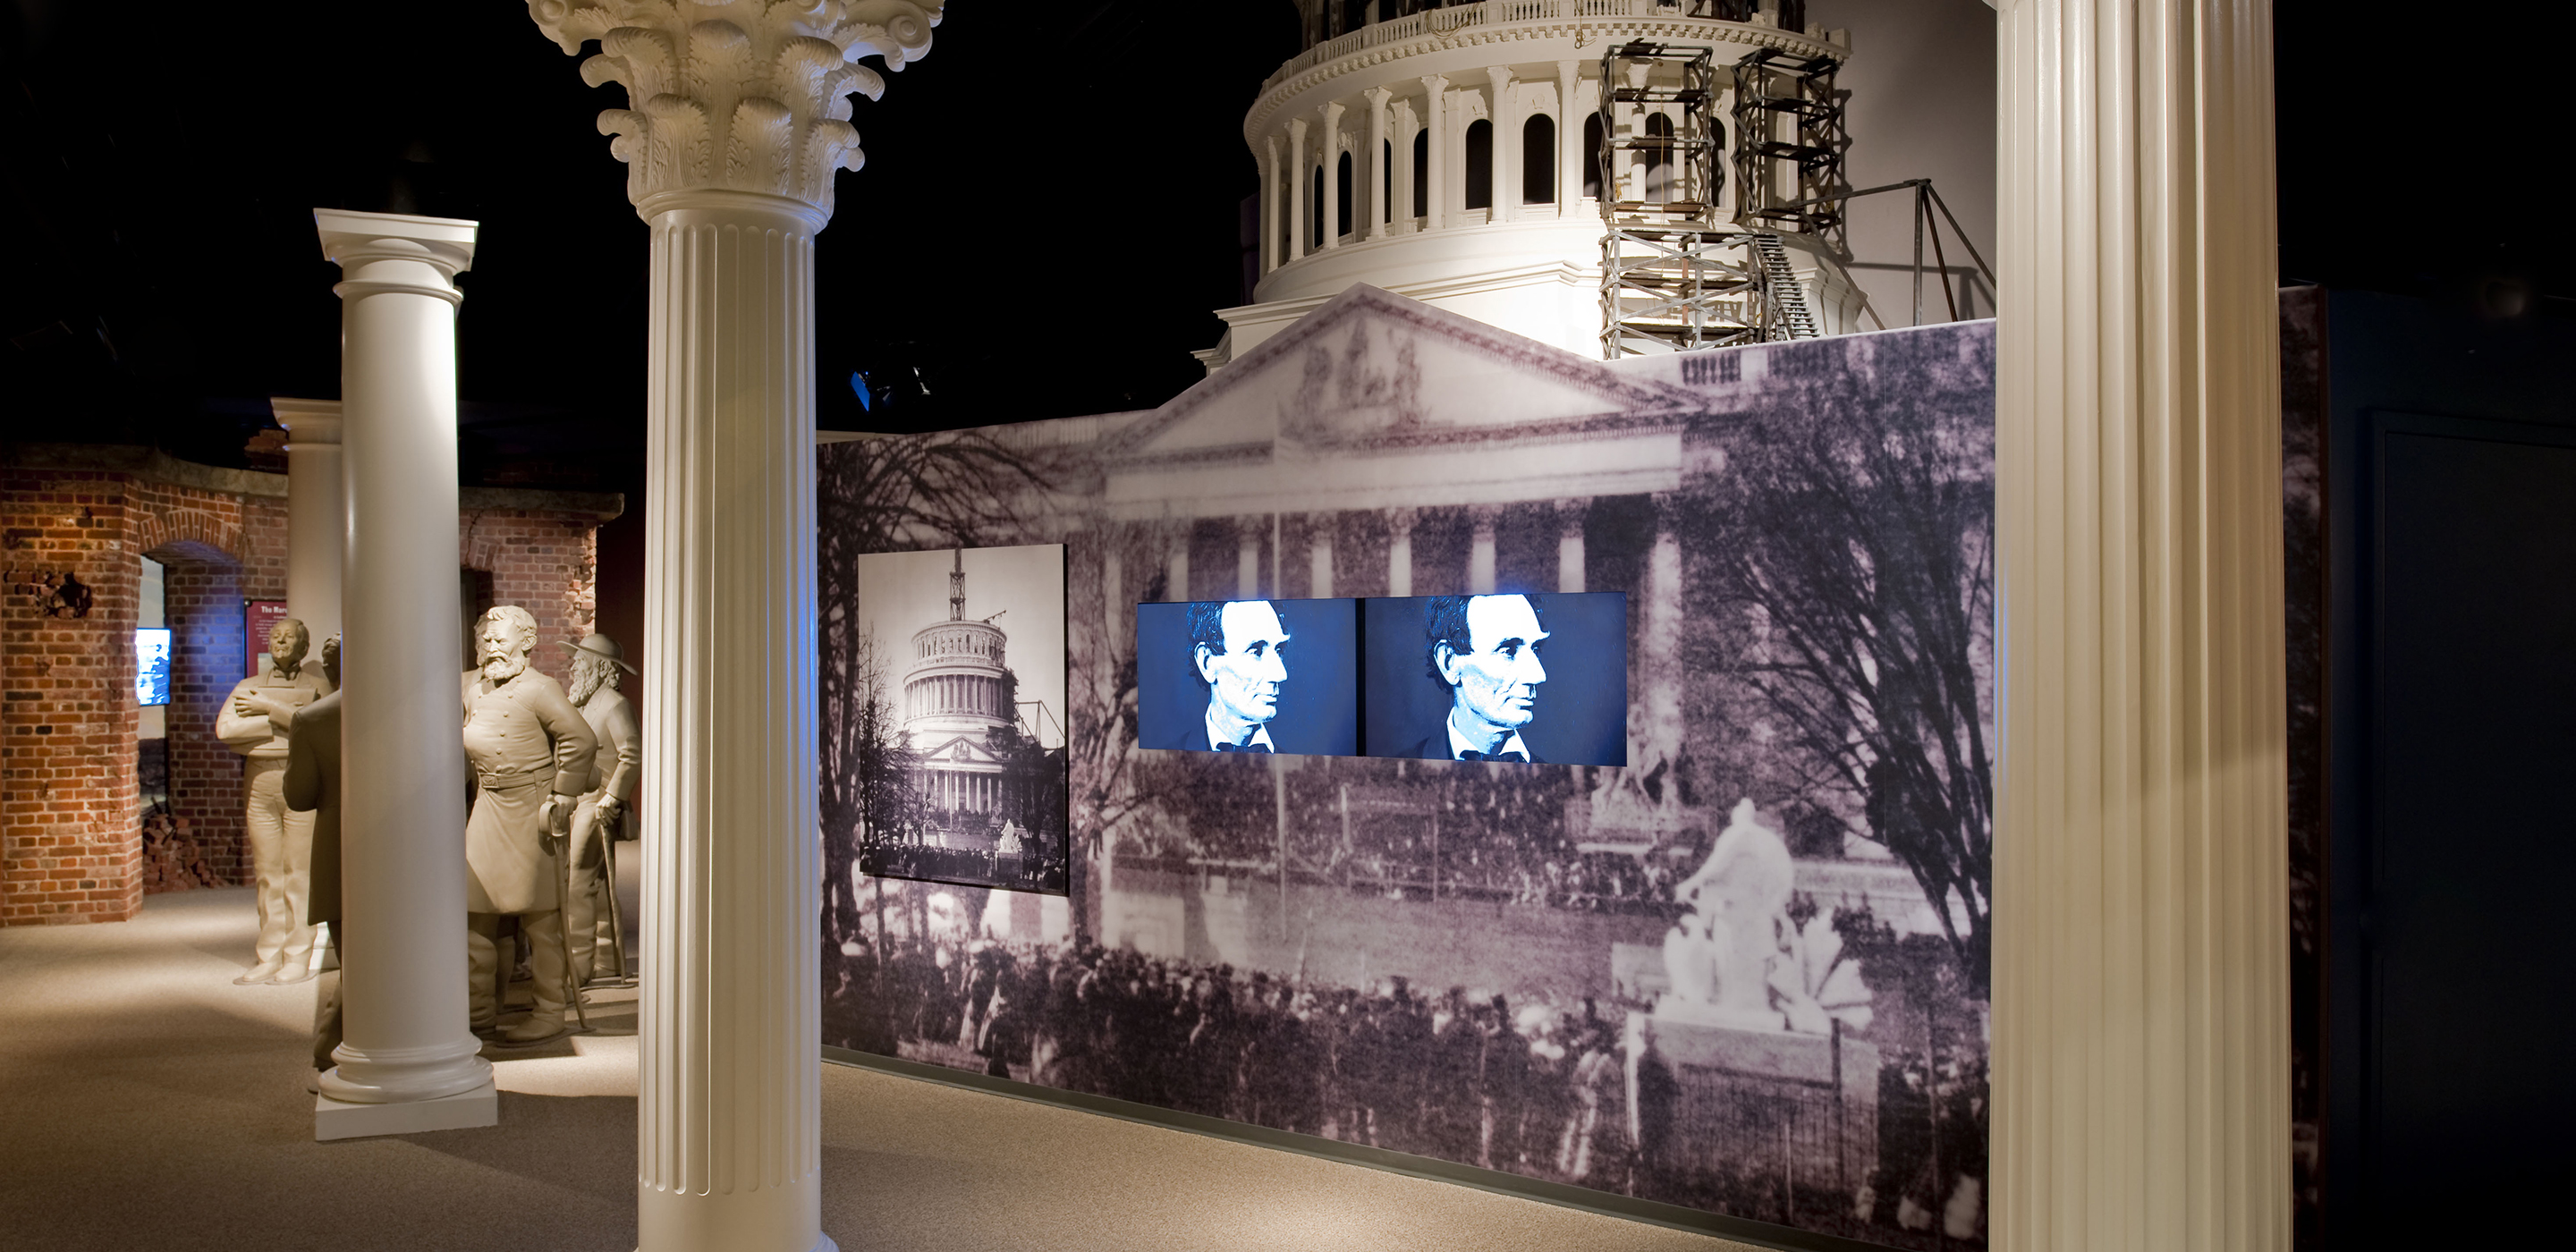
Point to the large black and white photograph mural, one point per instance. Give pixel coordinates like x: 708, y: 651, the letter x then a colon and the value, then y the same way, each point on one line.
x: 947, y: 747
x: 1745, y: 971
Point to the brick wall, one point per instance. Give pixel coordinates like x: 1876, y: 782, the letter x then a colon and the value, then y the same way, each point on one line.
x: 543, y: 562
x: 68, y: 845
x: 73, y: 844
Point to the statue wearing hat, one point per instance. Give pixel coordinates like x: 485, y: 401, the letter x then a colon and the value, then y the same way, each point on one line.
x: 591, y: 916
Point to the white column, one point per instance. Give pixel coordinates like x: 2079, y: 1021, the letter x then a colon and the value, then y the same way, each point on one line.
x: 1330, y: 144
x: 1319, y: 555
x: 1113, y: 589
x: 1436, y: 190
x: 406, y: 1050
x: 1632, y: 169
x: 1662, y: 635
x: 317, y: 512
x: 1399, y: 552
x: 1176, y: 563
x: 1569, y: 140
x: 1480, y: 550
x: 1298, y: 180
x: 1377, y: 165
x: 2141, y: 1055
x: 1569, y: 544
x: 732, y: 145
x: 1269, y: 203
x: 1507, y: 187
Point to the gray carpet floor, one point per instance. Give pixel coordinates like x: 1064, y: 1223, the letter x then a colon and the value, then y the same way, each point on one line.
x: 146, y: 1102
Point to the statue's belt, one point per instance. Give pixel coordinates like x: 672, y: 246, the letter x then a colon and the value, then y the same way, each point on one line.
x: 512, y: 782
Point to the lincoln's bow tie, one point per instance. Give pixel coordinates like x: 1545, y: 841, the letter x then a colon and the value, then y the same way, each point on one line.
x: 1243, y: 747
x: 1473, y: 755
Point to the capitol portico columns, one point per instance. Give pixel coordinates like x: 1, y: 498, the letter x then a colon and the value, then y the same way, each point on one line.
x: 2141, y: 964
x: 1569, y: 544
x: 1399, y: 552
x: 735, y: 131
x: 407, y: 1061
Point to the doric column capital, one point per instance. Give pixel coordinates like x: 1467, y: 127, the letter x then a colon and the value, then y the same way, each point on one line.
x: 737, y: 96
x: 1570, y: 515
x: 308, y: 422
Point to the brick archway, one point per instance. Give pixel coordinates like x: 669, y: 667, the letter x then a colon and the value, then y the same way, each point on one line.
x: 196, y: 839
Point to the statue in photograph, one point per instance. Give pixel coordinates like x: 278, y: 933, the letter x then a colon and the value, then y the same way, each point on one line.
x: 254, y: 721
x: 1485, y: 650
x: 531, y: 752
x: 313, y: 786
x: 600, y: 820
x: 1720, y: 954
x: 1237, y: 648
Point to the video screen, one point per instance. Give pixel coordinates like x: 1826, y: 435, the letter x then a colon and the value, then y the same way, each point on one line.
x: 151, y: 666
x: 1249, y: 676
x: 1541, y: 679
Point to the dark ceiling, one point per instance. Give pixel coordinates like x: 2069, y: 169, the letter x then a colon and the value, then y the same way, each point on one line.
x: 1048, y: 212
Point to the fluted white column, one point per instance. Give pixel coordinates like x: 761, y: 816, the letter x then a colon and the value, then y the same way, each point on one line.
x: 2141, y: 968
x: 1377, y: 164
x: 317, y: 512
x: 407, y: 1049
x: 1436, y: 185
x: 732, y: 147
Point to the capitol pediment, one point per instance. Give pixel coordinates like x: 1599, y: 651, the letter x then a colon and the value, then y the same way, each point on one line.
x: 1370, y: 368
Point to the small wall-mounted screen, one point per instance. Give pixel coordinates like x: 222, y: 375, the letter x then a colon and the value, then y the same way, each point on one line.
x: 151, y: 666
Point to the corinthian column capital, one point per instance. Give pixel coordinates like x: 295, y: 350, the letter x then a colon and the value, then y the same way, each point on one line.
x: 737, y: 95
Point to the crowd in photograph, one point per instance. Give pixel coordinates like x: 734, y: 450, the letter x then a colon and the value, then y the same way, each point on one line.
x: 1024, y: 870
x: 1537, y: 1087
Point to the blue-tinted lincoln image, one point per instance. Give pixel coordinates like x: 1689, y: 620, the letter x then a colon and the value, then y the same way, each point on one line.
x: 1249, y: 676
x: 1537, y: 679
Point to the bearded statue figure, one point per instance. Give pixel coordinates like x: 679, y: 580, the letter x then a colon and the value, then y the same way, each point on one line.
x: 600, y: 821
x: 531, y: 753
x: 254, y: 722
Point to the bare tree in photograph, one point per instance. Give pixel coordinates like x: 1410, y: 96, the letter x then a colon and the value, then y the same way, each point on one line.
x: 1858, y: 520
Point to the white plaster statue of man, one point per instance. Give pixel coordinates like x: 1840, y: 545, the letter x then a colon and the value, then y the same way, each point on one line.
x: 531, y: 754
x: 601, y: 818
x: 254, y: 721
x: 1720, y: 954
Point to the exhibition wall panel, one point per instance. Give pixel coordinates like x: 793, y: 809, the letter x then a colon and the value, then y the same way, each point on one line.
x: 1743, y: 973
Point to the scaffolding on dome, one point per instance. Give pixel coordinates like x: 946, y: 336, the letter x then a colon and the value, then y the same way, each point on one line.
x: 1778, y: 91
x: 1673, y: 277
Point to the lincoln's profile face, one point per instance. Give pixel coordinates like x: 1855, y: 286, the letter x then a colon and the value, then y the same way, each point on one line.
x: 1495, y: 682
x: 1243, y: 674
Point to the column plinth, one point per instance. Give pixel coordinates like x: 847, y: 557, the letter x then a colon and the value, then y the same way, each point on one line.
x: 402, y: 809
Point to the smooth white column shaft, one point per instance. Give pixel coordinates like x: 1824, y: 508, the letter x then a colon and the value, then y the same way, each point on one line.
x: 1569, y: 139
x: 1299, y: 187
x: 1505, y: 142
x: 1329, y: 146
x: 317, y: 513
x: 1377, y: 163
x: 402, y: 810
x: 1436, y: 185
x: 730, y: 1076
x: 2141, y: 1057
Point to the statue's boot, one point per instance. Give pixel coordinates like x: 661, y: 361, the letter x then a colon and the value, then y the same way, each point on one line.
x: 546, y: 961
x: 260, y: 975
x: 484, y: 951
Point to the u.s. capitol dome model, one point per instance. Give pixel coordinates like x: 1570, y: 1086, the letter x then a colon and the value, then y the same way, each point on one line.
x: 1452, y: 154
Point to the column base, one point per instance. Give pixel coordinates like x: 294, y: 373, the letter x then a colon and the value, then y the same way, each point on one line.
x: 463, y: 1111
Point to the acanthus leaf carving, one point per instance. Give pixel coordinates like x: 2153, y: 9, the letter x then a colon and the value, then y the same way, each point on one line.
x: 738, y: 95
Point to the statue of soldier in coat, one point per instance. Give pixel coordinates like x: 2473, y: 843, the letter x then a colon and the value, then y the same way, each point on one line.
x: 531, y: 752
x: 601, y: 819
